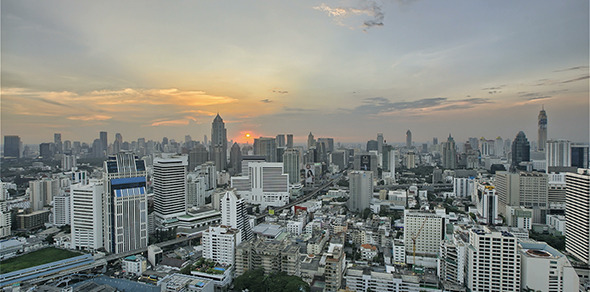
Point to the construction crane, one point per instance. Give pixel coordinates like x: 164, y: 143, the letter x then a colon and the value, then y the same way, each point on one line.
x: 415, y: 237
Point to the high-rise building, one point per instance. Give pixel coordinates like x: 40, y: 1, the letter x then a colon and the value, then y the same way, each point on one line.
x: 580, y: 156
x: 289, y: 140
x: 12, y: 147
x: 558, y: 153
x: 493, y: 261
x: 57, y: 142
x: 499, y: 147
x: 197, y: 156
x: 280, y: 140
x: 310, y: 141
x: 266, y: 184
x: 527, y: 189
x: 42, y: 192
x: 46, y: 150
x: 520, y: 149
x: 409, y: 139
x: 366, y: 162
x: 380, y: 143
x: 266, y: 147
x: 87, y: 215
x: 292, y: 164
x: 453, y: 257
x: 233, y: 214
x: 372, y: 145
x: 61, y: 210
x: 125, y: 204
x: 118, y: 143
x: 220, y: 243
x: 361, y: 190
x: 104, y: 143
x: 577, y: 214
x: 235, y: 159
x: 449, y: 153
x: 542, y: 130
x: 423, y: 232
x: 340, y: 158
x: 410, y: 160
x: 195, y: 188
x: 218, y: 146
x: 68, y: 162
x: 5, y: 219
x: 169, y: 183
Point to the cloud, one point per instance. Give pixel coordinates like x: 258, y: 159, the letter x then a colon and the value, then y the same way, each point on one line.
x: 89, y: 118
x: 381, y: 105
x: 297, y: 109
x: 573, y: 69
x: 281, y: 91
x: 266, y: 100
x: 576, y: 79
x: 371, y: 10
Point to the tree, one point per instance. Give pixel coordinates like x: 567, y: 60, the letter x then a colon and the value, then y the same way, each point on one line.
x: 366, y: 213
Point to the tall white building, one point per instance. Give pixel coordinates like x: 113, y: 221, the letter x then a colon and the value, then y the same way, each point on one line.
x: 292, y: 164
x: 169, y: 182
x: 61, y: 210
x: 195, y: 187
x: 87, y: 215
x: 125, y: 204
x: 558, y: 153
x: 219, y: 244
x: 493, y: 261
x: 361, y: 190
x: 463, y: 187
x: 266, y: 184
x: 233, y: 214
x: 487, y: 206
x: 543, y: 268
x: 577, y: 214
x: 5, y: 220
x: 423, y: 230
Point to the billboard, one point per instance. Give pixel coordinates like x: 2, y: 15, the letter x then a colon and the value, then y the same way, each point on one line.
x: 365, y: 162
x: 308, y: 173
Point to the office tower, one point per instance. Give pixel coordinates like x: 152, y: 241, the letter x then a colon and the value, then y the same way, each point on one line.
x: 410, y: 160
x: 527, y: 189
x: 543, y: 268
x: 499, y: 147
x: 310, y: 141
x: 289, y: 140
x: 250, y: 158
x: 270, y: 255
x: 97, y: 151
x: 197, y: 156
x: 558, y: 153
x: 196, y: 187
x: 292, y: 164
x: 220, y: 243
x: 557, y: 187
x: 235, y: 159
x: 12, y: 146
x: 46, y: 150
x: 487, y: 206
x: 462, y: 187
x: 577, y: 214
x: 409, y: 139
x: 493, y: 261
x: 366, y: 162
x: 42, y: 192
x: 125, y: 204
x: 68, y: 162
x: 380, y: 143
x: 169, y: 182
x: 579, y: 155
x: 340, y: 158
x: 361, y: 190
x: 542, y: 130
x: 104, y: 143
x: 118, y: 143
x: 520, y: 149
x: 449, y: 153
x: 57, y: 142
x: 423, y: 231
x: 87, y: 215
x: 266, y: 147
x: 385, y: 157
x: 218, y: 148
x: 61, y: 210
x: 328, y: 143
x: 266, y: 184
x: 280, y: 140
x: 372, y: 145
x: 233, y: 214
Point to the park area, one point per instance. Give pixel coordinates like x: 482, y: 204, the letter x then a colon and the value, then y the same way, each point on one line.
x: 35, y: 258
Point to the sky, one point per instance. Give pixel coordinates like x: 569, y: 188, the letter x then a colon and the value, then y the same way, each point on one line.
x: 342, y: 69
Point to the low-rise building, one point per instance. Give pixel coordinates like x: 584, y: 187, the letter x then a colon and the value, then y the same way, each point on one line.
x: 135, y: 264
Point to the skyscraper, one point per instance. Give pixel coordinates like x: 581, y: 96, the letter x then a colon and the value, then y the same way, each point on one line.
x: 380, y: 143
x: 104, y: 143
x: 577, y: 210
x: 289, y: 140
x: 310, y: 141
x: 218, y: 149
x: 579, y: 155
x: 169, y: 181
x: 266, y: 147
x: 520, y: 149
x: 557, y: 153
x: 197, y: 156
x: 12, y: 146
x: 87, y: 215
x: 58, y: 143
x: 233, y: 214
x: 235, y: 159
x: 361, y: 190
x: 292, y: 164
x: 542, y: 129
x: 409, y: 139
x: 125, y: 203
x: 449, y: 154
x: 280, y: 140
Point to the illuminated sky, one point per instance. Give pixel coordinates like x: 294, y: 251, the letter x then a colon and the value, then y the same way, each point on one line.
x: 342, y: 69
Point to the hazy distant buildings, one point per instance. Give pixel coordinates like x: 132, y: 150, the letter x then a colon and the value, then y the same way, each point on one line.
x: 218, y: 148
x: 125, y: 208
x: 577, y: 214
x: 197, y: 156
x: 310, y: 141
x: 409, y: 139
x: 542, y: 130
x: 361, y: 190
x: 235, y: 159
x: 104, y: 144
x: 12, y: 146
x: 266, y: 147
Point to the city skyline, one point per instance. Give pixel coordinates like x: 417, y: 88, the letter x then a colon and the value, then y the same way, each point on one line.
x: 335, y: 68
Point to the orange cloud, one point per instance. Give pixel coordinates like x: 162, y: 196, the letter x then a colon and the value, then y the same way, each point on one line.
x: 90, y: 118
